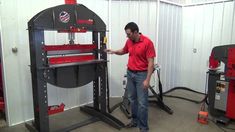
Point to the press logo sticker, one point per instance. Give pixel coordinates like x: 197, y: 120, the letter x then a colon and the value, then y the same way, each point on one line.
x: 64, y: 17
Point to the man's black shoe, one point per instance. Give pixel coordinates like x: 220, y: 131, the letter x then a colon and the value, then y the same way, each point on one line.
x: 131, y: 124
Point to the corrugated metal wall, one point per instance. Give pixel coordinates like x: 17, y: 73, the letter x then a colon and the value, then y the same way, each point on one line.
x: 169, y: 44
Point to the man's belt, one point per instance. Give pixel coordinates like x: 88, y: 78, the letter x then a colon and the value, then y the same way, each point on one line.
x: 135, y: 71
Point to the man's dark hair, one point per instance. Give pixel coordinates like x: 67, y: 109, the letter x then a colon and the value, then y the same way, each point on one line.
x: 132, y: 26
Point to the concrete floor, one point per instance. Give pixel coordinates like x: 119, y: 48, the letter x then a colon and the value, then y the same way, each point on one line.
x: 184, y: 118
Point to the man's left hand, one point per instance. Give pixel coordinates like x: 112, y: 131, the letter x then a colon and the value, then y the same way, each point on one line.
x: 146, y: 84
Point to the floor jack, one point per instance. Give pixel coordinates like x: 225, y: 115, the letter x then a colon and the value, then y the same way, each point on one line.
x: 125, y: 104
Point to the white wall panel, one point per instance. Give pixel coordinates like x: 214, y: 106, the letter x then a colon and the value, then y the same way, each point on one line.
x: 169, y: 44
x: 204, y: 27
x: 233, y: 25
x: 144, y: 13
x: 11, y: 64
x: 194, y: 2
x: 228, y: 22
x: 14, y: 17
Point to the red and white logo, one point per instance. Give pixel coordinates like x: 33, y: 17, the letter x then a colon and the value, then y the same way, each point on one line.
x: 64, y: 17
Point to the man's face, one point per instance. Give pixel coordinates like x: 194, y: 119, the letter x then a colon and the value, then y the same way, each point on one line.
x: 130, y: 34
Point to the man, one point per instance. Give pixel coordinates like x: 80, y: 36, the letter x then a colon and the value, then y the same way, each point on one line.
x: 139, y: 70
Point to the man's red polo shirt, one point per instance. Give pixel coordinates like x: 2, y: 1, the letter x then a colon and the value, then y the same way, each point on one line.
x: 139, y: 52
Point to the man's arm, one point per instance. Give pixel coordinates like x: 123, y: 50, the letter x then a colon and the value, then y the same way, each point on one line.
x: 117, y: 52
x: 150, y: 71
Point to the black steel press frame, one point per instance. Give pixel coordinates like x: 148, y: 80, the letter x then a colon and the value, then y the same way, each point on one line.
x: 68, y: 75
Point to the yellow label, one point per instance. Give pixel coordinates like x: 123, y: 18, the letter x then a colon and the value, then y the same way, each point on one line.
x: 105, y: 40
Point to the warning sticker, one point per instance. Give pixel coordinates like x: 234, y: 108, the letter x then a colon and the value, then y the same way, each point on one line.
x: 217, y: 97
